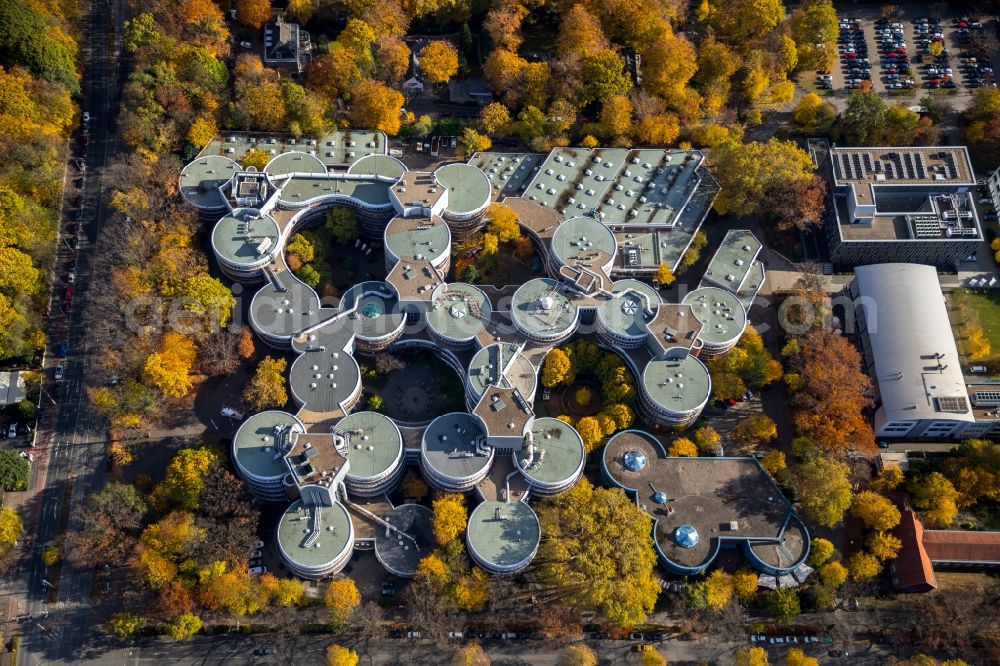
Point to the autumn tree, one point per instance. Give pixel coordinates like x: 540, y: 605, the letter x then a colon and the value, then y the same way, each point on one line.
x: 184, y: 626
x: 874, y: 510
x: 169, y: 369
x: 501, y: 221
x: 663, y: 276
x: 823, y: 489
x: 472, y: 142
x: 935, y: 497
x: 683, y: 447
x: 109, y: 523
x: 267, y: 387
x: 616, y: 583
x: 450, y: 518
x: 749, y: 365
x: 755, y: 430
x: 783, y: 603
x: 803, y: 203
x: 668, y: 64
x: 863, y: 566
x: 253, y: 13
x: 471, y: 654
x: 883, y: 545
x: 125, y: 624
x: 578, y: 655
x: 815, y: 29
x: 184, y: 479
x: 341, y: 598
x: 749, y: 172
x: 616, y: 118
x: 591, y: 432
x: 745, y: 584
x: 494, y: 119
x: 820, y: 551
x: 392, y: 60
x: 376, y: 106
x: 751, y: 656
x: 796, y: 657
x: 438, y: 61
x: 657, y: 130
x: 11, y: 527
x: 338, y: 655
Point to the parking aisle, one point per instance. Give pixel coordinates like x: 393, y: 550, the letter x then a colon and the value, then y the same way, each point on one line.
x: 873, y: 57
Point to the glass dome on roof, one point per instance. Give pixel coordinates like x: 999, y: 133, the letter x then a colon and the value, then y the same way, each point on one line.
x: 686, y: 536
x: 660, y: 497
x: 635, y: 461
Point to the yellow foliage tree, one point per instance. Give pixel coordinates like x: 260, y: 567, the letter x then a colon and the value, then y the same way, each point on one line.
x: 658, y: 130
x: 883, y: 545
x: 491, y: 246
x: 376, y: 106
x: 591, y: 432
x: 578, y: 655
x: 719, y: 590
x: 341, y: 598
x: 664, y: 276
x: 450, y: 518
x: 833, y: 574
x: 338, y: 655
x: 745, y: 585
x: 751, y: 656
x: 439, y: 61
x: 874, y: 510
x: 820, y: 551
x: 556, y: 368
x: 267, y: 387
x: 863, y: 566
x: 494, y: 119
x: 169, y: 369
x: 583, y: 395
x: 253, y: 13
x: 201, y: 131
x: 11, y: 527
x: 471, y: 592
x: 683, y: 447
x: 796, y: 657
x: 185, y: 478
x: 472, y: 142
x: 502, y: 221
x: 888, y: 480
x: 652, y: 657
x: 471, y: 654
x: 432, y: 567
x: 774, y: 462
x: 255, y: 158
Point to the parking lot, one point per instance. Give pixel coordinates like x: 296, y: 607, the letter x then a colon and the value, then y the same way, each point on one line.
x: 905, y: 56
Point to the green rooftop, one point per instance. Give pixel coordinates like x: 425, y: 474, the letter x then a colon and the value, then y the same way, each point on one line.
x: 627, y: 313
x: 583, y: 241
x: 449, y: 445
x: 300, y: 190
x: 375, y: 444
x: 504, y: 534
x: 720, y: 312
x: 324, y: 378
x: 338, y: 148
x: 508, y: 172
x: 295, y: 526
x: 677, y: 384
x: 563, y: 452
x: 501, y: 364
x: 294, y: 162
x: 458, y: 311
x: 201, y: 178
x: 416, y: 238
x: 539, y: 306
x: 384, y: 166
x: 254, y: 443
x: 733, y: 260
x: 239, y: 237
x: 468, y: 188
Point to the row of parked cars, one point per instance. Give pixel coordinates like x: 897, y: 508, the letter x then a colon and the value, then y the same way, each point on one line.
x: 853, y: 55
x: 760, y: 639
x: 896, y: 70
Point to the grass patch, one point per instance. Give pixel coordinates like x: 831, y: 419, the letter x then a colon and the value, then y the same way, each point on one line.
x: 903, y: 92
x: 987, y: 306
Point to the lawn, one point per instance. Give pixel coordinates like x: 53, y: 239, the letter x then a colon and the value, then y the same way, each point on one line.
x: 987, y: 306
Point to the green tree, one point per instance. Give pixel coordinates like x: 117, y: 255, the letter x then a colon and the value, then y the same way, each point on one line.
x: 605, y: 76
x: 342, y: 224
x: 184, y: 626
x: 267, y: 387
x: 616, y: 583
x: 205, y: 295
x: 13, y: 471
x: 864, y: 119
x: 376, y: 403
x: 824, y: 490
x: 27, y: 39
x: 470, y: 274
x: 783, y: 603
x: 124, y: 624
x: 815, y: 29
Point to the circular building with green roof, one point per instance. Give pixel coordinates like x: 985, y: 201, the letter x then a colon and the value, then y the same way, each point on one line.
x: 409, y: 537
x: 553, y: 456
x: 374, y: 453
x: 453, y: 452
x: 468, y: 194
x: 382, y: 167
x: 201, y: 179
x: 674, y: 389
x: 542, y: 312
x: 583, y: 242
x: 417, y: 239
x: 244, y: 242
x: 458, y: 314
x: 622, y: 319
x: 722, y: 316
x: 315, y: 541
x: 503, y: 537
x: 325, y: 380
x: 500, y: 364
x: 293, y: 162
x: 259, y: 448
x: 377, y: 320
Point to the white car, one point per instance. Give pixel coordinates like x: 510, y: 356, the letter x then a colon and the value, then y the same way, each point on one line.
x: 59, y: 373
x: 231, y: 413
x: 258, y: 570
x: 30, y: 457
x: 86, y: 117
x: 256, y: 545
x: 256, y: 553
x: 12, y: 431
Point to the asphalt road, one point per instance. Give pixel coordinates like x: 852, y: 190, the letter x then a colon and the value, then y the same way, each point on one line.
x: 71, y: 463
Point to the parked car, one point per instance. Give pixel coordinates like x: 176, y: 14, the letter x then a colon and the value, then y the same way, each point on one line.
x: 258, y: 570
x: 257, y: 545
x: 261, y: 651
x: 231, y: 412
x: 64, y: 346
x: 413, y: 634
x: 60, y: 372
x: 12, y: 430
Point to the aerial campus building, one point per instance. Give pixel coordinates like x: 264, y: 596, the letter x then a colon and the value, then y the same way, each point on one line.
x: 908, y: 348
x: 910, y: 204
x: 599, y: 219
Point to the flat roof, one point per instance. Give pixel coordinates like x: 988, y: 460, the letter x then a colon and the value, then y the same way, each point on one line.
x: 415, y: 238
x: 909, y: 165
x: 385, y: 166
x: 653, y: 188
x: 239, y: 236
x: 339, y: 148
x: 679, y: 384
x: 202, y: 176
x: 295, y: 526
x: 508, y: 173
x: 734, y: 259
x: 294, y: 161
x: 504, y: 534
x: 299, y: 190
x: 324, y: 378
x: 402, y: 554
x: 377, y: 313
x: 720, y: 312
x: 583, y: 241
x: 563, y: 176
x: 501, y: 364
x: 540, y: 306
x: 468, y: 188
x: 674, y: 326
x: 719, y: 497
x: 459, y: 311
x: 314, y: 459
x: 254, y: 443
x: 629, y: 313
x: 375, y: 444
x: 449, y: 445
x: 559, y: 452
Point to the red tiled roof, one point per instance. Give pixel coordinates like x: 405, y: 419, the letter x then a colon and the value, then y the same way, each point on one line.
x: 955, y: 546
x: 912, y: 570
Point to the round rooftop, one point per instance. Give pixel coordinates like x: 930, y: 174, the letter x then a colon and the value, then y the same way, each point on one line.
x: 677, y: 384
x: 254, y: 443
x: 503, y: 535
x: 559, y: 452
x: 540, y: 307
x: 400, y: 551
x: 501, y: 364
x: 382, y: 166
x: 686, y: 536
x: 635, y: 304
x: 468, y: 188
x: 585, y: 241
x: 324, y: 379
x: 721, y: 314
x: 376, y: 446
x: 376, y: 308
x: 294, y: 162
x: 416, y: 238
x: 245, y: 236
x: 295, y: 530
x: 201, y: 178
x: 449, y: 446
x: 458, y: 311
